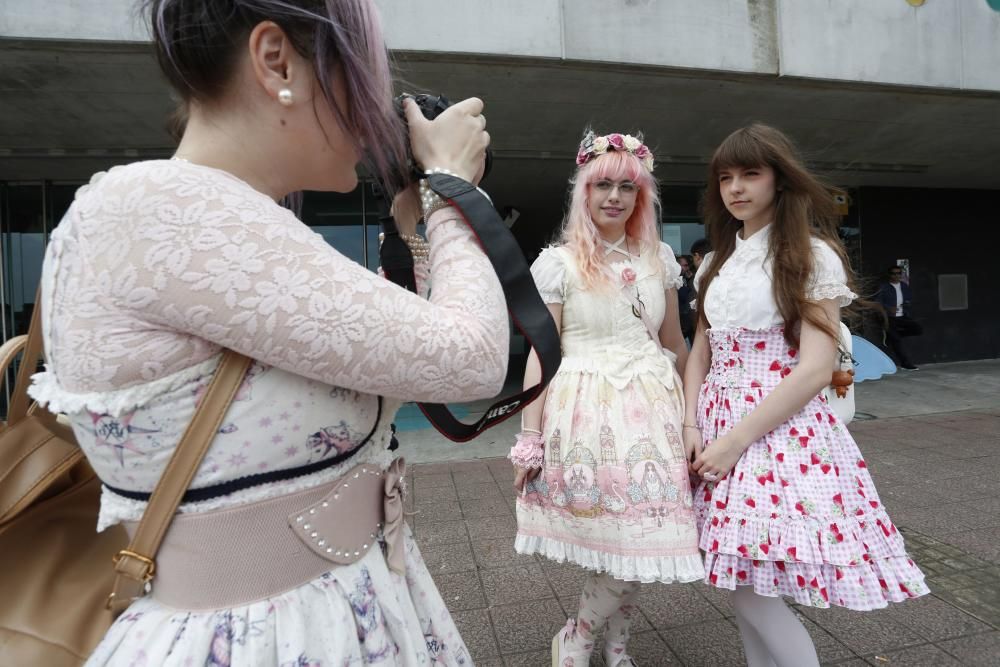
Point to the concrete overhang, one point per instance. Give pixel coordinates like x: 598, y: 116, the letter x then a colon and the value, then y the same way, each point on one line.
x: 71, y: 108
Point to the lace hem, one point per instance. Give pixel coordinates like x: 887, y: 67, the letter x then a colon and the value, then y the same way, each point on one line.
x: 647, y: 570
x: 46, y: 390
x: 836, y: 291
x: 116, y: 509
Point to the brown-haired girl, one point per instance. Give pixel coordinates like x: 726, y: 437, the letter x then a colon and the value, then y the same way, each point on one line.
x: 786, y: 506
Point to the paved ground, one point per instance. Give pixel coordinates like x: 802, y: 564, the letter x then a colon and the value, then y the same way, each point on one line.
x: 933, y: 448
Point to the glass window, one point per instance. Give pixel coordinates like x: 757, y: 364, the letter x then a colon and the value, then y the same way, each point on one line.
x: 22, y: 237
x: 338, y: 218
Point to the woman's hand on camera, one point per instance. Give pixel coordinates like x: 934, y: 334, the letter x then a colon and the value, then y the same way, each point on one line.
x: 406, y: 210
x: 456, y: 140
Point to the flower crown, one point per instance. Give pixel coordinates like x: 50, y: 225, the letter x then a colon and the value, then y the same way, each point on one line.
x: 594, y: 146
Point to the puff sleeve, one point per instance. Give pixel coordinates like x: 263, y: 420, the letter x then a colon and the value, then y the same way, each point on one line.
x: 672, y: 270
x: 549, y: 272
x: 829, y: 280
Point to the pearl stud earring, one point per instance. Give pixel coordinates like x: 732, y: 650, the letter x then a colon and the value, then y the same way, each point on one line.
x: 285, y: 97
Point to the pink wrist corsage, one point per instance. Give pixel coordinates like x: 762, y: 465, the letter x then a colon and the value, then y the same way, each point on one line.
x: 528, y: 450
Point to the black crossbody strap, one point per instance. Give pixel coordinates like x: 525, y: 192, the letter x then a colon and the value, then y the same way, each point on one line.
x: 527, y: 310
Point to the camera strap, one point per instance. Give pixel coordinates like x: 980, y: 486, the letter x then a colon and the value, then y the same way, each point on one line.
x: 527, y: 310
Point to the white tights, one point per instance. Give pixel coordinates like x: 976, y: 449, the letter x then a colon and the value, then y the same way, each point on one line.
x: 606, y: 600
x: 772, y: 635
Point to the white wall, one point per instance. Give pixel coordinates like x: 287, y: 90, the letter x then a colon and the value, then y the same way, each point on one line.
x: 105, y: 20
x: 944, y: 43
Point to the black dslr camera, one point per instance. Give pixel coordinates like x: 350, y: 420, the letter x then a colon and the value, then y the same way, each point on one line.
x: 431, y: 106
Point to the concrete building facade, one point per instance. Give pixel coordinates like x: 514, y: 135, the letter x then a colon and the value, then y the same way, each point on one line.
x: 898, y: 104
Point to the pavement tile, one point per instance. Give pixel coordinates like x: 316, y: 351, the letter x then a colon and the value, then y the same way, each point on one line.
x: 720, y: 599
x: 927, y: 655
x: 489, y: 492
x: 475, y: 509
x: 936, y: 521
x: 435, y: 512
x: 460, y: 591
x: 430, y: 469
x: 520, y: 583
x: 710, y: 643
x: 649, y: 649
x: 975, y: 651
x: 532, y: 659
x: 828, y: 649
x: 969, y: 488
x: 863, y: 632
x: 933, y: 619
x: 449, y: 558
x: 434, y: 495
x: 493, y: 527
x: 491, y: 554
x: 469, y: 468
x: 445, y: 532
x: 670, y: 605
x: 528, y: 626
x: 433, y: 481
x: 983, y: 543
x: 566, y: 578
x: 477, y: 633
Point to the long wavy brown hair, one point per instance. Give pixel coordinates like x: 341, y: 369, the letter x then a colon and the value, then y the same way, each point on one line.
x: 804, y: 208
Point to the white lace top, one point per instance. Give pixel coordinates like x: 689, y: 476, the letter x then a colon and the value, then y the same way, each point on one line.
x: 158, y: 265
x: 741, y: 294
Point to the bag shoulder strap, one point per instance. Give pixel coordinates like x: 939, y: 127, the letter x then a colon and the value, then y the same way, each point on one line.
x: 19, y: 400
x: 135, y: 565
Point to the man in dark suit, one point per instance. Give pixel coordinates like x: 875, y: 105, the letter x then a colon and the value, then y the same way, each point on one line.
x: 685, y: 293
x: 896, y: 298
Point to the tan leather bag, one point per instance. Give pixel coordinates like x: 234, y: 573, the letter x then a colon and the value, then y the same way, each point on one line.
x: 56, y: 571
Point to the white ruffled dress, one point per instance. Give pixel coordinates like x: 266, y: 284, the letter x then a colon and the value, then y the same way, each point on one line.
x: 613, y: 495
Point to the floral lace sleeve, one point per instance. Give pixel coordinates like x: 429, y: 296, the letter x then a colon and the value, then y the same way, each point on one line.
x: 829, y: 280
x: 158, y: 264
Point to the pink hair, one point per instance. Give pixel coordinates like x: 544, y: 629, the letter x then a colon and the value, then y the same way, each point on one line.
x: 579, y: 234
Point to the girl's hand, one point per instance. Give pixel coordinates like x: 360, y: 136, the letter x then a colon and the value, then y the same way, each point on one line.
x: 524, y: 475
x: 456, y: 140
x: 718, y: 458
x: 693, y: 444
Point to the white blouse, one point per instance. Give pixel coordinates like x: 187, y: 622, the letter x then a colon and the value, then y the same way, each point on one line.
x: 741, y: 294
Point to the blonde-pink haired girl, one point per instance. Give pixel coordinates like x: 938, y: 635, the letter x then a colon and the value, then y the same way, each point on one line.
x: 599, y: 461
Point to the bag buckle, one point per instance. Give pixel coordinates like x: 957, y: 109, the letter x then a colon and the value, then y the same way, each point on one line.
x: 150, y: 566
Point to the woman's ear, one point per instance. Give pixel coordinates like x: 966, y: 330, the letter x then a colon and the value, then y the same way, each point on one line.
x: 275, y: 64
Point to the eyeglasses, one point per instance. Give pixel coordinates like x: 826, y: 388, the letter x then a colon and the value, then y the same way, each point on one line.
x: 895, y: 273
x: 625, y: 187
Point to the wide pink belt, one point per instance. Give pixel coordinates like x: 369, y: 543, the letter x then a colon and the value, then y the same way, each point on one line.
x: 232, y: 557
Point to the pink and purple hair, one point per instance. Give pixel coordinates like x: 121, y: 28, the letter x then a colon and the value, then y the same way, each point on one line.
x: 580, y: 235
x: 197, y: 44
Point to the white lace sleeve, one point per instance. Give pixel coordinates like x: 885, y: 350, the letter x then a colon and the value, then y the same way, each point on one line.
x: 829, y: 281
x: 672, y: 270
x: 162, y: 263
x: 549, y: 273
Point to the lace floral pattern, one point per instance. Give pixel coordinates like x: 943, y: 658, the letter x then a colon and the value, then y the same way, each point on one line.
x: 158, y: 264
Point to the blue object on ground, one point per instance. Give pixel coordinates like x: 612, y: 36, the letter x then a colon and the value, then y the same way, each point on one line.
x: 410, y: 418
x: 872, y: 363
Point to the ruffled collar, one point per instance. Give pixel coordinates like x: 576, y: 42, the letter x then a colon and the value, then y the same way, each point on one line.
x: 756, y: 241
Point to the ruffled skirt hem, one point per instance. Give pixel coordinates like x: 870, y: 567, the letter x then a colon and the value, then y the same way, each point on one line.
x: 644, y: 569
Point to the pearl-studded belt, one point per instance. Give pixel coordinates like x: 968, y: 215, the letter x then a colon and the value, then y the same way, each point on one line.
x: 239, y: 555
